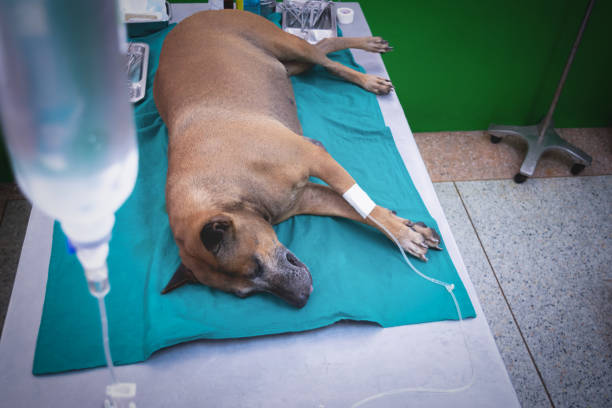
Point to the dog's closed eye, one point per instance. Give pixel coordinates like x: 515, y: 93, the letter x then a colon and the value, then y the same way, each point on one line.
x: 214, y: 232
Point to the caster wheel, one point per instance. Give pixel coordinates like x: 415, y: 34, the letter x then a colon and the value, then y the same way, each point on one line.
x: 519, y: 178
x: 577, y: 168
x: 495, y: 139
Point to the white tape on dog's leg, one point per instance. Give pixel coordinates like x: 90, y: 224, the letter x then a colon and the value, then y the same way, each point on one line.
x: 359, y: 200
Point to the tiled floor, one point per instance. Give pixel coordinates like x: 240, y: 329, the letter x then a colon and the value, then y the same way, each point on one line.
x: 549, y: 244
x: 540, y: 257
x: 457, y: 156
x: 538, y: 253
x: 522, y: 371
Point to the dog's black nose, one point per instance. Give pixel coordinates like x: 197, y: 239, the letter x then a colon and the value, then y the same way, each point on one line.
x: 300, y: 300
x: 292, y: 259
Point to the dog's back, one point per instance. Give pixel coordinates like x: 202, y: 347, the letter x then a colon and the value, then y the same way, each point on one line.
x: 228, y: 67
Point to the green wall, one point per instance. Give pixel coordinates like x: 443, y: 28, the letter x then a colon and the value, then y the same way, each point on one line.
x: 460, y: 65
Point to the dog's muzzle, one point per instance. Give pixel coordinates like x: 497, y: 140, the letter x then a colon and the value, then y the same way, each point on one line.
x: 289, y: 278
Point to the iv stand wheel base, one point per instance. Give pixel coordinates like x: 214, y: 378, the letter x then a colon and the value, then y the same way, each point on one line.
x: 519, y: 178
x: 538, y: 143
x: 577, y: 168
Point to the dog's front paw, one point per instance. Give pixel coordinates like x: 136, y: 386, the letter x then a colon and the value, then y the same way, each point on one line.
x: 377, y: 85
x: 432, y: 239
x: 377, y: 44
x: 413, y: 242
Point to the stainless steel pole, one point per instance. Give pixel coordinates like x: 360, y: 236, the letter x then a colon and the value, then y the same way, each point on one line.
x: 553, y: 105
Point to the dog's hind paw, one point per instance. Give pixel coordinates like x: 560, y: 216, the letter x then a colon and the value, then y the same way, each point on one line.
x: 377, y: 44
x: 377, y: 85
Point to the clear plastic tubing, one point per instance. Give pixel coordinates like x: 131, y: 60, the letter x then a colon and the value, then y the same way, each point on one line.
x: 449, y: 288
x: 67, y: 120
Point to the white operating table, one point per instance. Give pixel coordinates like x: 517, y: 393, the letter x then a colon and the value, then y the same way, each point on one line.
x: 336, y: 366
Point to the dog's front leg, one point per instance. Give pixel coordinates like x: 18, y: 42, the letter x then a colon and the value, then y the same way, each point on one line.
x: 415, y: 238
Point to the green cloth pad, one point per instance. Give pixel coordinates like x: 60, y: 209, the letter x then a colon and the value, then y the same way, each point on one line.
x: 357, y: 273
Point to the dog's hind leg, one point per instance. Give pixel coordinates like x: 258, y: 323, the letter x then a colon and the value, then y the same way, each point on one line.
x: 372, y: 44
x: 329, y: 45
x: 298, y: 55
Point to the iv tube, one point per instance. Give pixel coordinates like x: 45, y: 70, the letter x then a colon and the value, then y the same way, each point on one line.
x: 363, y: 204
x: 449, y: 288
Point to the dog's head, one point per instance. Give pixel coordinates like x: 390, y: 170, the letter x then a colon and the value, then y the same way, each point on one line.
x: 238, y: 252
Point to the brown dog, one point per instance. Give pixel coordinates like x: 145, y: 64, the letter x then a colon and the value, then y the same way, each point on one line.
x: 237, y: 163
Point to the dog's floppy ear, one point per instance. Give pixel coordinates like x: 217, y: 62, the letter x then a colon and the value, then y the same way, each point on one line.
x: 215, y: 231
x: 182, y: 276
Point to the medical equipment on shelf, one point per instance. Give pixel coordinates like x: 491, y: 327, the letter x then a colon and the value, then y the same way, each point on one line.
x: 345, y: 15
x: 312, y: 20
x: 267, y: 7
x: 364, y: 205
x: 137, y: 68
x: 69, y: 129
x: 144, y: 17
x: 139, y: 10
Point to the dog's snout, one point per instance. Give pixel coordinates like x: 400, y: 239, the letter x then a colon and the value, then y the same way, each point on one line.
x: 290, y: 278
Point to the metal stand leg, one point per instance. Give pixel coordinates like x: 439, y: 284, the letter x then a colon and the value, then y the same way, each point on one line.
x: 542, y: 137
x: 537, y: 146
